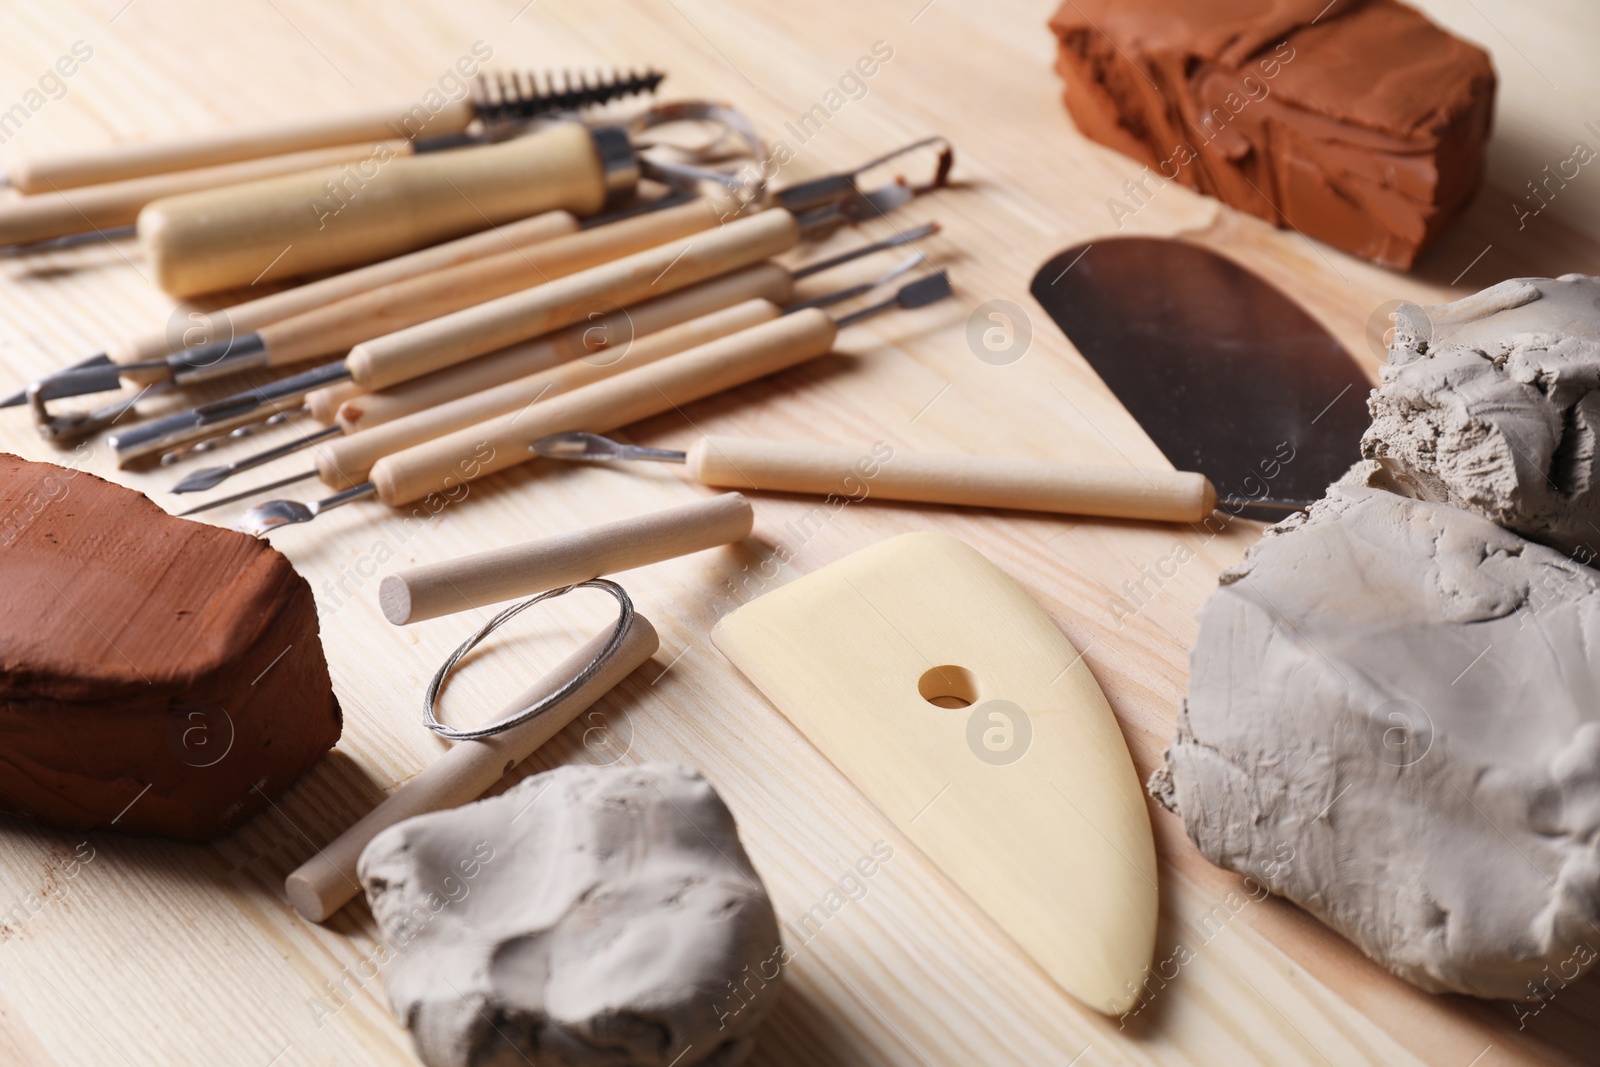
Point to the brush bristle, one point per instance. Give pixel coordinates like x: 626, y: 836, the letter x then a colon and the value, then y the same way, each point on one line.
x: 504, y: 98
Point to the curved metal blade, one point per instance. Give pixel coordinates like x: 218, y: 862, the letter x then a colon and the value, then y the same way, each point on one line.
x: 1227, y: 375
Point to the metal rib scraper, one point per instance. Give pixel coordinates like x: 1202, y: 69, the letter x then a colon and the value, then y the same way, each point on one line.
x: 1227, y: 375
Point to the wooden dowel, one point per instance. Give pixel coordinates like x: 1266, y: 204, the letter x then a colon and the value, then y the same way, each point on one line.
x: 616, y: 332
x: 346, y: 461
x: 327, y: 882
x: 335, y: 327
x: 972, y: 481
x: 103, y: 207
x: 484, y: 578
x: 446, y: 464
x: 250, y: 316
x: 382, y: 206
x: 458, y: 337
x: 113, y: 163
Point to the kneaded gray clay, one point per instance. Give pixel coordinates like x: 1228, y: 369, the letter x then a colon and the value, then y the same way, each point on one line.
x: 588, y: 916
x: 1492, y: 403
x: 1392, y: 721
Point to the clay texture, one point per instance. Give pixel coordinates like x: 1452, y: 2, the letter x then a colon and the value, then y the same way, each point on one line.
x: 1492, y: 403
x: 157, y: 675
x: 588, y: 916
x: 1359, y: 123
x: 1392, y: 721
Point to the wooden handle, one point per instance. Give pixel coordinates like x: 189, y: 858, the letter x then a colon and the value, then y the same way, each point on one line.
x: 446, y: 464
x: 485, y: 578
x: 446, y: 341
x: 115, y: 163
x: 324, y: 404
x: 326, y: 882
x: 973, y: 481
x: 346, y: 461
x: 240, y: 319
x: 607, y: 333
x: 100, y: 207
x: 384, y: 205
x: 337, y: 326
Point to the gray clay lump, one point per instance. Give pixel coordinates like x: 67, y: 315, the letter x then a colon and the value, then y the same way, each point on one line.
x: 1492, y: 404
x: 1392, y: 721
x: 589, y: 916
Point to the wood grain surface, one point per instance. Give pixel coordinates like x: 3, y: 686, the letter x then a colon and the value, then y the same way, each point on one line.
x: 116, y: 950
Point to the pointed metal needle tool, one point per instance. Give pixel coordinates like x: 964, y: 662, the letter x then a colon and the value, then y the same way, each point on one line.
x: 211, y: 477
x: 271, y: 514
x: 68, y: 240
x: 269, y: 487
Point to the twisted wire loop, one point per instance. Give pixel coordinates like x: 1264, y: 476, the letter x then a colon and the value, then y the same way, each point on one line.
x: 539, y: 707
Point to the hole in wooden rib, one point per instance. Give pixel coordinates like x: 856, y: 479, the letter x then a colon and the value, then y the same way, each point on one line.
x: 948, y: 686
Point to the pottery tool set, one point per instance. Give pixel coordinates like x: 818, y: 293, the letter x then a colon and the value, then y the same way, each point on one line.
x: 916, y: 515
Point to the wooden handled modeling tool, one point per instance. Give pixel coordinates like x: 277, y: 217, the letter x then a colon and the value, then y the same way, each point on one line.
x: 495, y: 102
x: 356, y: 410
x: 446, y: 464
x: 117, y: 204
x: 473, y: 331
x: 337, y: 463
x: 600, y: 341
x: 241, y: 319
x: 345, y: 462
x: 326, y: 882
x: 892, y: 474
x: 282, y: 227
x: 295, y: 224
x: 435, y: 589
x: 335, y: 327
x: 459, y: 336
x: 610, y: 344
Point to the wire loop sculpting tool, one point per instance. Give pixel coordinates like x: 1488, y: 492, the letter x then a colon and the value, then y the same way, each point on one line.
x: 572, y: 684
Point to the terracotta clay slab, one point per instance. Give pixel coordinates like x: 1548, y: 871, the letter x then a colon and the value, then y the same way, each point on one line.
x: 938, y: 687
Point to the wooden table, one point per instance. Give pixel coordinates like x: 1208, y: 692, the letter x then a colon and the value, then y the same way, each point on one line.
x: 161, y: 953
